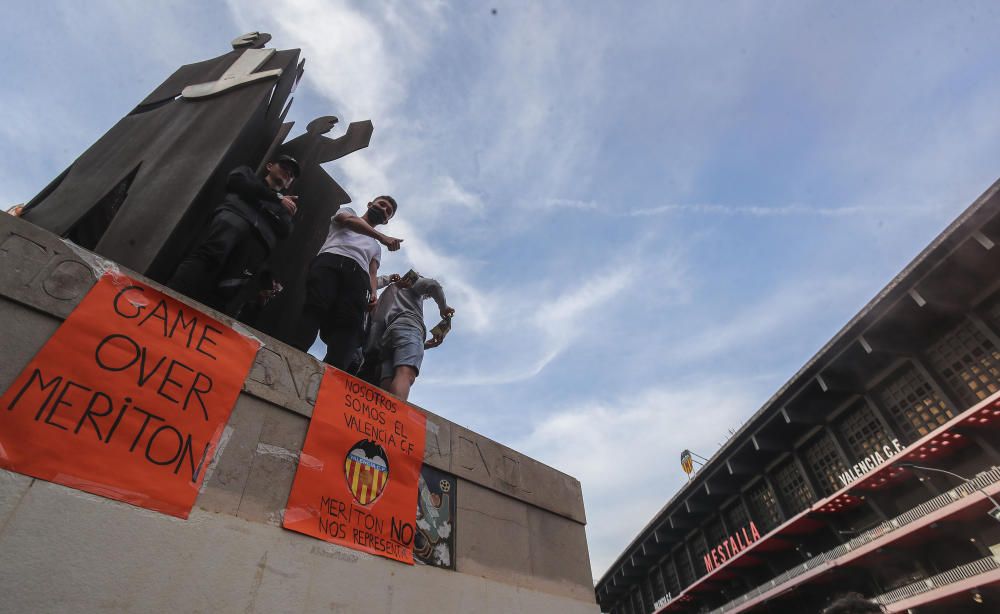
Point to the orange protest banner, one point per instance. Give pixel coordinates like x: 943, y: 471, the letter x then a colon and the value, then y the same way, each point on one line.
x: 356, y: 484
x: 127, y: 399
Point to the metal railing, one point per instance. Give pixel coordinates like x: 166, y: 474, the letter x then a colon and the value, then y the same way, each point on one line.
x: 982, y: 480
x: 962, y: 572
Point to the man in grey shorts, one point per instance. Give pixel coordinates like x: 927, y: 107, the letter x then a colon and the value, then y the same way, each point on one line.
x: 398, y: 332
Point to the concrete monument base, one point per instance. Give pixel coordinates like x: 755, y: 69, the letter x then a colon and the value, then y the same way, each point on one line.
x: 519, y: 543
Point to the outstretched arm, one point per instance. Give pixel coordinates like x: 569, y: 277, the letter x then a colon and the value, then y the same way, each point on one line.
x: 430, y: 287
x: 360, y: 226
x: 385, y: 280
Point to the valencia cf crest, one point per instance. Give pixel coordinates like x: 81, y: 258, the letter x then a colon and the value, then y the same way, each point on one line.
x: 367, y: 471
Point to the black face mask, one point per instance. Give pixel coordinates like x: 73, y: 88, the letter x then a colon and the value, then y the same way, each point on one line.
x: 376, y: 217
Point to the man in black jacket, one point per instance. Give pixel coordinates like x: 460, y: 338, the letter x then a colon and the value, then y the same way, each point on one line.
x: 244, y: 229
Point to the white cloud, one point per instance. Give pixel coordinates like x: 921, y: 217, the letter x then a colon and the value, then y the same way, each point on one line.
x: 778, y: 210
x: 368, y: 60
x: 362, y: 61
x: 625, y: 450
x: 758, y: 211
x: 529, y: 334
x: 447, y: 191
x: 75, y: 70
x: 477, y: 308
x: 561, y: 318
x: 568, y: 203
x: 361, y: 57
x: 780, y: 311
x: 440, y: 200
x: 536, y: 101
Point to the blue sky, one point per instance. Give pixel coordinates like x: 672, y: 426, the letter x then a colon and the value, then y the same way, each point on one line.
x: 647, y: 215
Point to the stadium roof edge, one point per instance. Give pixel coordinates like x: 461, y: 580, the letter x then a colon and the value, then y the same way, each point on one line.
x: 960, y: 230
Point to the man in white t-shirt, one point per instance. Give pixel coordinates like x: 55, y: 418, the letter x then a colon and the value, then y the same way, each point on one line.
x: 341, y: 284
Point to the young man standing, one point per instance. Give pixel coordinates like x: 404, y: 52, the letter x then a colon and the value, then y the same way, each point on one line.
x: 398, y: 330
x: 244, y: 229
x: 341, y: 283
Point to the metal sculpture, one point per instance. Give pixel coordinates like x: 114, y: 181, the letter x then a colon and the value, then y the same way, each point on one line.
x: 140, y: 193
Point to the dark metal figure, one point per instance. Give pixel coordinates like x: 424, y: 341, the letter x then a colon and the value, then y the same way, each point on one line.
x: 290, y: 261
x: 255, y: 214
x: 141, y: 192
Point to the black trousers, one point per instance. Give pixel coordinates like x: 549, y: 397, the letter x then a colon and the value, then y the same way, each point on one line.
x: 336, y: 300
x: 220, y: 265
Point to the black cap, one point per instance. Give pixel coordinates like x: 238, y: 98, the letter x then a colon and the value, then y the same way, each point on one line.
x: 290, y: 162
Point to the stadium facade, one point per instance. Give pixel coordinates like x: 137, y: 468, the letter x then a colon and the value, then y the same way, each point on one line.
x: 875, y: 469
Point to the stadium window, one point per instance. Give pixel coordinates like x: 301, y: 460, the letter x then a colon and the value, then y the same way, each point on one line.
x: 824, y: 462
x: 968, y: 361
x: 913, y: 404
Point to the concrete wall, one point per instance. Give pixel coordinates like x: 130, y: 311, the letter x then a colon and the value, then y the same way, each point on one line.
x: 520, y: 542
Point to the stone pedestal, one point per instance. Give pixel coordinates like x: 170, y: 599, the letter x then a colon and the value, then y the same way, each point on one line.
x: 519, y: 542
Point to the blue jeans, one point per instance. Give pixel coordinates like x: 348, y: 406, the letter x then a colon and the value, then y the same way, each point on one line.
x: 402, y: 346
